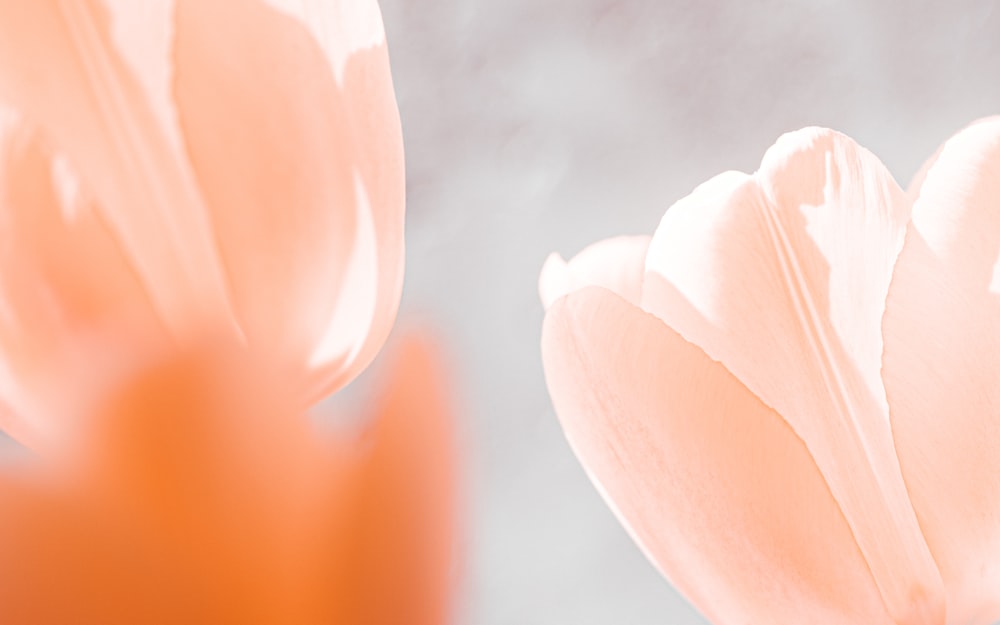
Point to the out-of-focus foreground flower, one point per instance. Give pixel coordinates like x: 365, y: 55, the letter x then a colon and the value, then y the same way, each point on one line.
x: 790, y: 393
x: 202, y: 212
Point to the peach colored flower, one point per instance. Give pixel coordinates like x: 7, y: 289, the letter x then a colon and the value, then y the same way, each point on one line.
x: 790, y: 393
x: 171, y: 167
x: 201, y: 205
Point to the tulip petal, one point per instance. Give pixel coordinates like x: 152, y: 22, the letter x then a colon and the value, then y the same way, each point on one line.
x: 782, y: 277
x: 298, y: 211
x: 941, y: 363
x: 402, y: 536
x: 231, y: 515
x: 370, y: 98
x: 60, y: 65
x: 616, y: 264
x: 193, y: 513
x: 353, y: 37
x: 58, y: 567
x: 342, y: 27
x: 713, y: 484
x: 63, y: 322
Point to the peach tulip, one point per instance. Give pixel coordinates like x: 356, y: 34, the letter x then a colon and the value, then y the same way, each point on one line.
x: 202, y: 203
x: 171, y: 167
x: 790, y: 395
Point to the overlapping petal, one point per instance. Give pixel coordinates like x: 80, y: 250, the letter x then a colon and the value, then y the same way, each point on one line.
x: 782, y: 277
x: 873, y: 331
x: 60, y: 68
x: 69, y: 302
x: 616, y: 264
x: 941, y: 364
x: 245, y: 159
x: 720, y: 492
x: 205, y: 207
x: 352, y: 36
x: 308, y: 207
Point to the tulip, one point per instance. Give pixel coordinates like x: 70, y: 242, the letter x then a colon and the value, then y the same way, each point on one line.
x: 202, y: 203
x: 177, y: 167
x: 789, y: 394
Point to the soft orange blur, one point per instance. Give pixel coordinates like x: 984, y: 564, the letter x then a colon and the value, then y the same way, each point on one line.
x: 192, y: 498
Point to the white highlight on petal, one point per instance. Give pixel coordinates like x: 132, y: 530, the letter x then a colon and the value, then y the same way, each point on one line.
x: 554, y: 281
x: 354, y: 311
x: 341, y: 27
x: 9, y: 121
x: 143, y: 34
x: 708, y: 196
x: 67, y: 187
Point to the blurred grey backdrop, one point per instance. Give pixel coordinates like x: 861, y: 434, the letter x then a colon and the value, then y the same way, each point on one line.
x: 543, y: 125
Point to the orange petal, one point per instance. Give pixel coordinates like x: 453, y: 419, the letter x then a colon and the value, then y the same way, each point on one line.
x: 782, y: 277
x: 616, y: 264
x: 402, y: 542
x: 187, y: 501
x: 55, y: 307
x: 715, y: 486
x: 200, y: 468
x: 61, y: 66
x: 941, y: 363
x: 311, y: 244
x: 59, y: 567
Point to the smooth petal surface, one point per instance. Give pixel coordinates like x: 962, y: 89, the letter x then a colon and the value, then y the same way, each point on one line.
x: 370, y: 98
x: 307, y: 205
x: 246, y: 158
x: 187, y: 501
x: 942, y: 367
x: 65, y: 287
x: 782, y: 277
x: 617, y: 264
x: 61, y: 67
x: 715, y: 486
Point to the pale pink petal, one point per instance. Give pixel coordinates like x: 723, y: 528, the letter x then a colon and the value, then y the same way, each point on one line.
x: 715, y: 486
x: 913, y: 191
x: 304, y: 178
x: 342, y: 27
x: 60, y: 65
x: 369, y: 96
x: 616, y: 264
x: 352, y: 36
x: 782, y: 277
x: 942, y: 367
x: 65, y: 285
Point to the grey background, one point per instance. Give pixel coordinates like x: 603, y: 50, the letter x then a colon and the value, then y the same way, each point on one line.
x: 541, y: 125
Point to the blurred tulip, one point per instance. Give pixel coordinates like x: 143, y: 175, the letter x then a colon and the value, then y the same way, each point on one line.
x: 193, y: 498
x: 790, y: 393
x: 202, y: 203
x: 171, y: 167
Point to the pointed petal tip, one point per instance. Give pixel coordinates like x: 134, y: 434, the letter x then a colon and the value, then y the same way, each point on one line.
x: 616, y: 263
x: 984, y: 126
x: 553, y: 282
x: 795, y: 141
